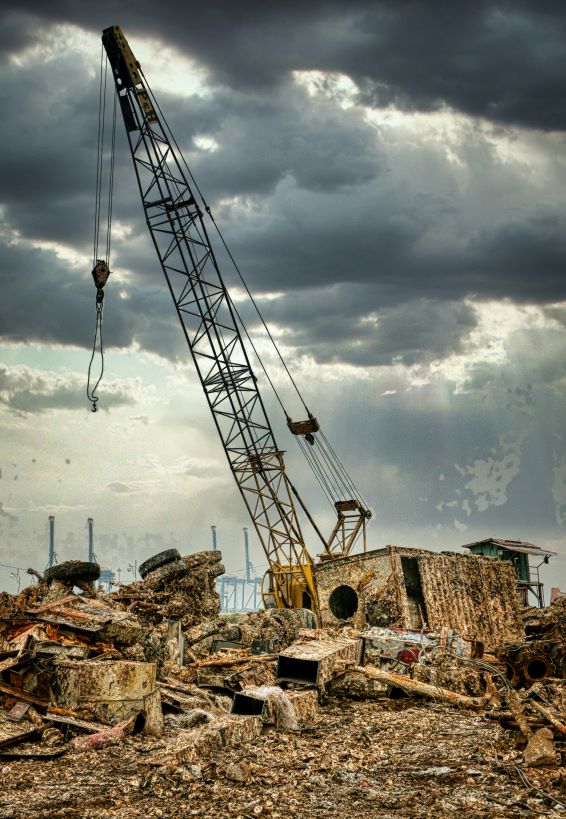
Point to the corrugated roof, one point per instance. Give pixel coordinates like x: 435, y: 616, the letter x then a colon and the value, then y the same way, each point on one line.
x: 512, y: 546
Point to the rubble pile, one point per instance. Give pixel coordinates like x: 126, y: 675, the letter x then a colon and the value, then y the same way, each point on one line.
x: 265, y: 713
x: 182, y: 588
x: 543, y: 653
x: 547, y: 622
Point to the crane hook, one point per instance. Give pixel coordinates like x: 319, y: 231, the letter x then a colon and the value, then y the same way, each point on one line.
x: 100, y: 274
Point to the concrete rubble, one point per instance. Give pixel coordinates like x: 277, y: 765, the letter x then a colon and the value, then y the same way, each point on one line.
x: 175, y: 710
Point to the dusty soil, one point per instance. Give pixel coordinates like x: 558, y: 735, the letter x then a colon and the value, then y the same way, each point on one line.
x: 360, y: 759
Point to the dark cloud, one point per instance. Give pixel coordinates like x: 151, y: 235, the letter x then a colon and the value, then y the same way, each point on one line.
x: 525, y: 258
x: 46, y: 300
x: 265, y: 139
x: 503, y: 61
x: 120, y: 488
x: 335, y: 325
x: 314, y: 201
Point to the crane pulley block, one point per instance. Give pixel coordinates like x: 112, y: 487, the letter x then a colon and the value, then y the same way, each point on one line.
x: 100, y: 275
x: 127, y: 73
x: 303, y: 427
x: 124, y: 64
x: 351, y: 506
x: 347, y: 506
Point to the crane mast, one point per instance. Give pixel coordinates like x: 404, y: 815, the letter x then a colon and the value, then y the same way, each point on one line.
x: 208, y: 320
x: 210, y: 324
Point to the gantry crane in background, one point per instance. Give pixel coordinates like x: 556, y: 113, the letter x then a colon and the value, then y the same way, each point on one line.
x: 177, y: 216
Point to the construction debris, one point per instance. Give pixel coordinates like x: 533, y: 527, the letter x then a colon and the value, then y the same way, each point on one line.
x: 162, y: 689
x: 181, y: 589
x: 414, y: 588
x: 543, y: 653
x: 424, y: 689
x: 540, y: 749
x: 315, y: 662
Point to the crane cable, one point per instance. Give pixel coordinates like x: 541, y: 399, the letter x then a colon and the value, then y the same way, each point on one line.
x: 328, y: 470
x: 101, y: 268
x: 236, y: 268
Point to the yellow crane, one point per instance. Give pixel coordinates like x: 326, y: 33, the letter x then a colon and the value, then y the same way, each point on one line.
x: 178, y: 219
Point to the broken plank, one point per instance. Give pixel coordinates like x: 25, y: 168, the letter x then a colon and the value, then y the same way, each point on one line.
x: 10, y: 756
x: 25, y: 736
x: 18, y: 711
x: 53, y: 605
x: 74, y: 722
x: 61, y: 621
x: 227, y: 661
x: 424, y: 689
x: 547, y: 713
x: 10, y: 662
x: 176, y: 686
x: 19, y: 694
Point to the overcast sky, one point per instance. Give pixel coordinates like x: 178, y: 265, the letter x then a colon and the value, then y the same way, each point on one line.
x: 390, y: 176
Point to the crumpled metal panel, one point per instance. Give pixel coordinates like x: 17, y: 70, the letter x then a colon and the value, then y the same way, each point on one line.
x: 476, y: 596
x: 112, y: 690
x: 317, y: 661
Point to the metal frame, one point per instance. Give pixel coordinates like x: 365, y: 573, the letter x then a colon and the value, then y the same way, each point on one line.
x: 207, y: 317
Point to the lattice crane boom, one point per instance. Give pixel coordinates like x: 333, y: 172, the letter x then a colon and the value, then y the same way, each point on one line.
x: 209, y: 323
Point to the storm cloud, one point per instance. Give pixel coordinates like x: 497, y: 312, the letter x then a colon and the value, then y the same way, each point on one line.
x: 309, y: 191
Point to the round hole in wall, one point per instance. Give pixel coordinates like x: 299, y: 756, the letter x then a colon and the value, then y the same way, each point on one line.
x: 343, y: 602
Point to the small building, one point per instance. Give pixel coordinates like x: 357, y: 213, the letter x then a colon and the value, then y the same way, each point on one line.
x: 519, y: 553
x: 406, y: 588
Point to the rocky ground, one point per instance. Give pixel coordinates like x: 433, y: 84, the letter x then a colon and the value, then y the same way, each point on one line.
x: 390, y: 758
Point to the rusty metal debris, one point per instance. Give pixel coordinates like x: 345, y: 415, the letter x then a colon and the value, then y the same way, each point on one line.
x: 415, y: 589
x: 315, y: 662
x: 153, y: 673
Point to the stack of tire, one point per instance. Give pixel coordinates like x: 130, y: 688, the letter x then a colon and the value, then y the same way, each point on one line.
x: 168, y: 566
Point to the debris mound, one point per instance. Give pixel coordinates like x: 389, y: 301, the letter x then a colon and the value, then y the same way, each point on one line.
x: 177, y: 701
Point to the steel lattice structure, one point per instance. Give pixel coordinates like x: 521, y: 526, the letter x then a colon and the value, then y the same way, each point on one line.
x: 208, y: 320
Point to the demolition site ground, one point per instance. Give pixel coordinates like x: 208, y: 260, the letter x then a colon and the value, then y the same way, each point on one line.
x: 147, y: 702
x: 361, y: 758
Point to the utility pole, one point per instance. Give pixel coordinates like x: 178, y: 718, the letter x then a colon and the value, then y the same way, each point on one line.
x: 247, y: 554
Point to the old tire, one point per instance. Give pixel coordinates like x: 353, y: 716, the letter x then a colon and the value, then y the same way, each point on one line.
x: 173, y: 571
x: 72, y: 571
x: 157, y: 561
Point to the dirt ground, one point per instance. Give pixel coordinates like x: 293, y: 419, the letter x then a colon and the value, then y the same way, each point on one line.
x: 393, y: 758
